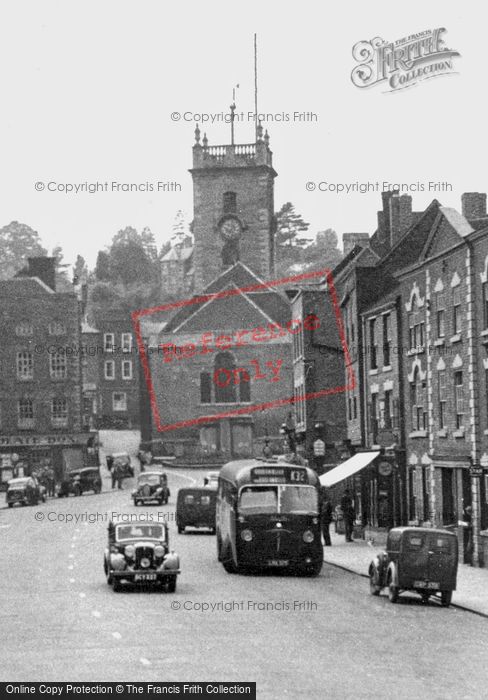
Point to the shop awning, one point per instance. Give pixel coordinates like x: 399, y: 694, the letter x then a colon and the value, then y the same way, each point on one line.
x: 348, y: 468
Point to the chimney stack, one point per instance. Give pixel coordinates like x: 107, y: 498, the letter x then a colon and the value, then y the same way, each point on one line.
x: 473, y: 205
x: 349, y: 240
x: 44, y: 268
x: 400, y: 216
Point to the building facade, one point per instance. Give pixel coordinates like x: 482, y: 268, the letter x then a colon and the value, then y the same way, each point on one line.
x: 41, y: 381
x: 318, y: 370
x: 118, y: 392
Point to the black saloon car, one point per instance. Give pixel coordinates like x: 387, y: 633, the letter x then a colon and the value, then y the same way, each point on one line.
x: 139, y: 553
x: 80, y: 480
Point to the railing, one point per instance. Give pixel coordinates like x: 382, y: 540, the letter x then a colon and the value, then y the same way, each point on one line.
x: 219, y: 153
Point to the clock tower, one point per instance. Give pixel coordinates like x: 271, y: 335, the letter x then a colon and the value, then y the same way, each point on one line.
x: 233, y: 207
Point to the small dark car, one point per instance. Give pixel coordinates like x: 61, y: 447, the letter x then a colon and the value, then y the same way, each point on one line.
x: 152, y: 487
x: 80, y: 480
x: 195, y: 507
x: 423, y: 560
x: 123, y: 461
x: 139, y: 553
x: 26, y: 491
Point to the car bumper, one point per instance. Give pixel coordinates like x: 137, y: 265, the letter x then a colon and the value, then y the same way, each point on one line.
x: 155, y: 576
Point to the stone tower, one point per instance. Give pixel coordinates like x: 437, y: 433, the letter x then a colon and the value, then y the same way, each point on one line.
x: 233, y: 207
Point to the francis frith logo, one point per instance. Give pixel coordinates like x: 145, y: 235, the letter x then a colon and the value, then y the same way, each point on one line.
x: 404, y: 62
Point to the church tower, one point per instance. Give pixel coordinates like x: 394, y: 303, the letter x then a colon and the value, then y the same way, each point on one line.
x: 233, y: 207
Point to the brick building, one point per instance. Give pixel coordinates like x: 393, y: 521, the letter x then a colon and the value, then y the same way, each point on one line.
x: 177, y: 272
x: 318, y: 365
x: 118, y: 393
x: 40, y: 380
x: 423, y: 378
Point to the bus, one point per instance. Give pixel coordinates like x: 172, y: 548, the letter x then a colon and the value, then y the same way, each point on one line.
x: 268, y: 517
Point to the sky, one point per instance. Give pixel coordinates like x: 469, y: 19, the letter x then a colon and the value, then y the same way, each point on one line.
x: 89, y: 89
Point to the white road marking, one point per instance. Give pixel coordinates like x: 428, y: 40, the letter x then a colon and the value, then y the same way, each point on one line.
x: 96, y: 613
x: 71, y: 567
x: 4, y: 527
x: 82, y: 595
x: 144, y: 662
x: 72, y: 546
x: 116, y: 635
x: 71, y: 556
x: 72, y: 580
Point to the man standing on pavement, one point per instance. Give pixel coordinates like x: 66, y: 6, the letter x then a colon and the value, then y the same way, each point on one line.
x: 349, y: 514
x: 325, y: 516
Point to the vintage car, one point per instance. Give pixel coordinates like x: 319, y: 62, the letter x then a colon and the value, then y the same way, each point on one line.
x: 195, y: 507
x: 121, y: 460
x: 139, y: 553
x: 152, y: 487
x: 26, y: 490
x: 78, y: 481
x: 417, y: 559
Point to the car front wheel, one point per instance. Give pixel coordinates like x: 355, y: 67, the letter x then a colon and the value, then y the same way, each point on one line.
x: 171, y: 584
x: 374, y: 587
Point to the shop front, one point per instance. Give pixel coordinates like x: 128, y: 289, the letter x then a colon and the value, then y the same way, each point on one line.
x: 24, y: 455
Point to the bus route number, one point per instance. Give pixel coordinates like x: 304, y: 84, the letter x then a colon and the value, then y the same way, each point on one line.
x: 298, y: 476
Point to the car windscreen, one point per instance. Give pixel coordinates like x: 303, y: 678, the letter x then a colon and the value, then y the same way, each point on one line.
x: 130, y: 532
x: 19, y: 484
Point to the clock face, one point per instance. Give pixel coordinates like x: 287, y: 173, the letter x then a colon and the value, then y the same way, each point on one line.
x: 230, y: 229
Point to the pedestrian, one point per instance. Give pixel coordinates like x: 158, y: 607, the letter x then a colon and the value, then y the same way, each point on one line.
x: 349, y: 514
x: 118, y: 469
x: 141, y: 458
x: 325, y: 516
x: 267, y: 450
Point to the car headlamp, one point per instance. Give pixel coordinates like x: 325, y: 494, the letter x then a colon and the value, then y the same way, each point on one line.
x: 308, y: 536
x: 159, y: 551
x: 130, y: 551
x: 246, y: 535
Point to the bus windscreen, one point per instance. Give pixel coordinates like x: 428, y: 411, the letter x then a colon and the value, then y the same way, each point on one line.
x: 286, y: 500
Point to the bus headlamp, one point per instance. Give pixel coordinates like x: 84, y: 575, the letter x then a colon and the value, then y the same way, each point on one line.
x: 246, y: 535
x: 307, y: 536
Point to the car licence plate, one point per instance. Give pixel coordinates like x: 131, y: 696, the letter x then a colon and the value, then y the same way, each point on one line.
x: 278, y: 562
x: 426, y: 584
x: 145, y: 577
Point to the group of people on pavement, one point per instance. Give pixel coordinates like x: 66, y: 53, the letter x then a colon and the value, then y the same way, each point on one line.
x: 327, y: 515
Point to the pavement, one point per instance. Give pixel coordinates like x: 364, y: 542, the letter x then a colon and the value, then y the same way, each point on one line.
x: 472, y: 583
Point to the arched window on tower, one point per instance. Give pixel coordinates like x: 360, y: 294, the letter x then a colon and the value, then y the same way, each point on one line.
x: 230, y: 203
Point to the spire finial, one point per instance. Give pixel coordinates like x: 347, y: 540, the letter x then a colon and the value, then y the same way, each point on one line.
x: 197, y: 134
x: 259, y: 131
x: 205, y: 140
x: 266, y: 137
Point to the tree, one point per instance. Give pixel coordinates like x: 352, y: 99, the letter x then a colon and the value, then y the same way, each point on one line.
x: 102, y: 267
x: 288, y: 241
x: 323, y: 252
x: 149, y: 244
x: 129, y: 262
x: 80, y: 269
x: 17, y: 243
x: 289, y: 225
